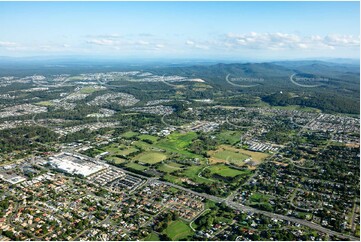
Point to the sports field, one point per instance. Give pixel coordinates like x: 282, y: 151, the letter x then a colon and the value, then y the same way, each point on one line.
x: 232, y: 155
x: 256, y: 156
x: 150, y: 157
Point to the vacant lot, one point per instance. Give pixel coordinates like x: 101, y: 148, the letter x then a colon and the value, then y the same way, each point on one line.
x: 129, y: 134
x: 45, y: 103
x: 177, y: 143
x: 258, y: 198
x: 148, y: 137
x: 192, y: 173
x: 152, y: 237
x: 88, y: 90
x: 229, y: 154
x: 234, y: 157
x: 178, y: 230
x: 150, y: 157
x: 169, y: 167
x: 256, y: 156
x: 229, y: 136
x: 115, y: 160
x: 115, y: 149
x: 226, y: 171
x: 136, y: 166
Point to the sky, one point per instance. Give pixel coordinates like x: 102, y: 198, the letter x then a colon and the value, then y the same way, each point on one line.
x: 204, y: 30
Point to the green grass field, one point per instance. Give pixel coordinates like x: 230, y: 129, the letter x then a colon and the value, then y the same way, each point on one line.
x: 168, y: 168
x: 258, y: 198
x: 192, y: 173
x: 115, y: 149
x: 148, y: 137
x: 45, y: 103
x: 178, y: 230
x: 136, y: 166
x: 256, y: 156
x: 115, y: 160
x: 172, y: 179
x: 129, y: 134
x: 177, y: 143
x: 152, y: 237
x: 229, y: 136
x: 88, y: 90
x: 231, y: 156
x: 150, y: 157
x: 143, y: 145
x: 226, y: 171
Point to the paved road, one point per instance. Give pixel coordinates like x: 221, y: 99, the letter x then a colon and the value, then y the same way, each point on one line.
x: 268, y: 214
x: 249, y: 209
x: 291, y: 219
x: 196, y: 217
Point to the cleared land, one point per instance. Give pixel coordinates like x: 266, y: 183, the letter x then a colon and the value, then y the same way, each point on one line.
x: 123, y: 150
x: 129, y: 134
x: 178, y: 230
x: 45, y: 103
x: 152, y: 237
x: 177, y: 143
x: 148, y: 137
x: 169, y: 167
x: 229, y: 136
x: 256, y: 156
x: 192, y: 173
x: 231, y: 155
x: 226, y: 171
x: 151, y: 157
x: 115, y: 160
x: 136, y: 166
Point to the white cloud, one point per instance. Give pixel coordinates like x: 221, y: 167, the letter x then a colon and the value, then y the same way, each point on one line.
x: 104, y: 36
x: 127, y: 44
x: 159, y: 46
x: 280, y: 41
x: 142, y: 42
x: 103, y: 42
x: 341, y: 40
x: 7, y: 44
x: 201, y: 46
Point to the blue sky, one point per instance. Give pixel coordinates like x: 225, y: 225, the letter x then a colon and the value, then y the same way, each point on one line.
x: 216, y: 30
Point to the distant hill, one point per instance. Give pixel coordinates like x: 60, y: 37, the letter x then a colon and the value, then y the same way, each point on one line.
x: 275, y: 73
x: 338, y: 90
x: 320, y: 67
